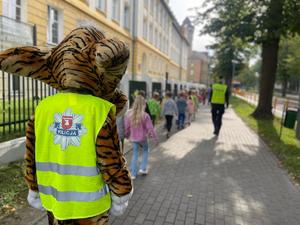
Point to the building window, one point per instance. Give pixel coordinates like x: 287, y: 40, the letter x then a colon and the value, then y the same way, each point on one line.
x: 156, y: 39
x: 160, y: 42
x: 18, y: 10
x: 152, y: 2
x: 161, y: 16
x: 156, y: 12
x: 126, y: 16
x: 116, y: 10
x: 53, y: 26
x: 151, y: 33
x: 145, y: 29
x: 13, y: 9
x: 101, y: 4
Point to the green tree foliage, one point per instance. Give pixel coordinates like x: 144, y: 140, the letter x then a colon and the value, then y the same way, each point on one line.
x: 282, y: 71
x: 262, y: 22
x: 225, y: 52
x: 288, y: 62
x: 248, y: 76
x: 293, y: 59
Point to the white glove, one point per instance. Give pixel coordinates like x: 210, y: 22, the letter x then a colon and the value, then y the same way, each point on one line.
x: 34, y: 200
x: 119, y: 204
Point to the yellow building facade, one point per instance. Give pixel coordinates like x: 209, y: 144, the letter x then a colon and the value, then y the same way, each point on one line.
x: 157, y: 57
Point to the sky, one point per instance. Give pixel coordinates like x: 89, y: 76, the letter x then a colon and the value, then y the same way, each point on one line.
x: 180, y: 10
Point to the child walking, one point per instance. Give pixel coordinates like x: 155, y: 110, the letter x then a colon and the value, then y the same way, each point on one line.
x: 169, y: 111
x: 190, y: 110
x: 138, y: 126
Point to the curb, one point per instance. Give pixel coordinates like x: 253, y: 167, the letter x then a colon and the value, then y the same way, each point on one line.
x: 12, y: 150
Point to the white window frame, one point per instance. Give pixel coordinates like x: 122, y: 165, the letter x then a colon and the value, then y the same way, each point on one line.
x: 157, y: 11
x: 152, y: 6
x: 160, y: 42
x: 156, y: 38
x: 101, y: 5
x: 145, y: 29
x: 151, y: 33
x: 126, y: 16
x: 116, y: 10
x: 9, y: 9
x: 59, y: 22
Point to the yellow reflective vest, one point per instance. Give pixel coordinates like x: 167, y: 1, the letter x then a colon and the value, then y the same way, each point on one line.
x: 69, y: 181
x: 218, y: 95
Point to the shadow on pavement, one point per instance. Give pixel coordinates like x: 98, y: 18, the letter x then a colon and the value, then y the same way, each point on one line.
x: 203, y: 179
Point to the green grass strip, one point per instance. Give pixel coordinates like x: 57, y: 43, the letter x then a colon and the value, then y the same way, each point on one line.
x: 286, y: 148
x: 13, y: 189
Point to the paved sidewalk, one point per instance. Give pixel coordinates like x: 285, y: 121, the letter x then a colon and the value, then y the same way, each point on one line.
x: 196, y: 178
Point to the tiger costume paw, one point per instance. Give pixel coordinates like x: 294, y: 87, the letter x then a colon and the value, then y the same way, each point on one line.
x: 34, y: 200
x: 119, y: 204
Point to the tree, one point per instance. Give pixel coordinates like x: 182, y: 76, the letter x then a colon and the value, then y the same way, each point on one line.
x: 282, y: 71
x: 225, y: 52
x: 248, y: 76
x: 293, y: 59
x: 255, y: 21
x: 288, y: 63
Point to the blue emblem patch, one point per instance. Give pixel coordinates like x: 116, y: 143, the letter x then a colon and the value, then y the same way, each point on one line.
x: 67, y: 129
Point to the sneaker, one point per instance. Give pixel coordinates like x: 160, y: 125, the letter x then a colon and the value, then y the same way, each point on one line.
x: 133, y: 177
x: 143, y: 172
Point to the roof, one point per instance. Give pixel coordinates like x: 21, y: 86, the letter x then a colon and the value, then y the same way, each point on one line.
x: 175, y: 22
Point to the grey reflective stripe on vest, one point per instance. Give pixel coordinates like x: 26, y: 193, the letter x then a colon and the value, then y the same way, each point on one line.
x: 67, y: 169
x: 64, y: 196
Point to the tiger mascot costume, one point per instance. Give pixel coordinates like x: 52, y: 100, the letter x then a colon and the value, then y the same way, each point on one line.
x: 74, y: 167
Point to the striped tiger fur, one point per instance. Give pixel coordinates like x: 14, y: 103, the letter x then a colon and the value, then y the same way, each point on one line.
x: 84, y: 62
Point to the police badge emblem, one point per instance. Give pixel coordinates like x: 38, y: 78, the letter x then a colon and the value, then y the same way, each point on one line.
x: 67, y: 129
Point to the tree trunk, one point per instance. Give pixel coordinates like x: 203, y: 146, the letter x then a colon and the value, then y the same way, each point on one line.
x: 270, y: 46
x: 267, y: 79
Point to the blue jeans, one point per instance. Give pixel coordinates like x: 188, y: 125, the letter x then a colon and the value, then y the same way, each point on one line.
x: 181, y: 118
x: 135, y: 155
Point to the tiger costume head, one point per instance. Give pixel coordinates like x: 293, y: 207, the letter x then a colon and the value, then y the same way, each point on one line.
x: 84, y: 62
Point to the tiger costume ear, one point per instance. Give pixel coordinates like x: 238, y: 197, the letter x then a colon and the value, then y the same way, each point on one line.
x: 111, y: 57
x: 110, y: 53
x: 28, y: 62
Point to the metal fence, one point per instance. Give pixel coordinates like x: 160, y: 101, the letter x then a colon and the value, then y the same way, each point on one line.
x: 20, y: 96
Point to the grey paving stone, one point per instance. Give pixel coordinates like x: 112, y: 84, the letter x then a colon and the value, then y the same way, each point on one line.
x: 152, y: 214
x: 148, y: 222
x: 170, y: 217
x: 140, y: 218
x: 159, y: 221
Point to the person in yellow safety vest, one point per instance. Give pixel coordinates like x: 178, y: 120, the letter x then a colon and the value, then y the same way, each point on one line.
x: 74, y: 167
x: 219, y: 96
x: 154, y: 107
